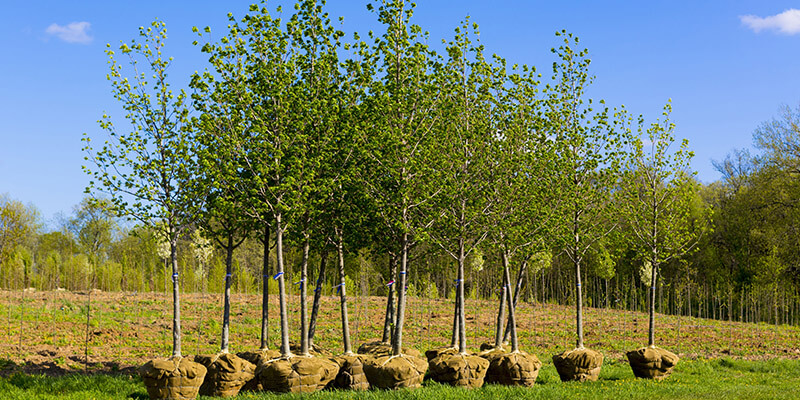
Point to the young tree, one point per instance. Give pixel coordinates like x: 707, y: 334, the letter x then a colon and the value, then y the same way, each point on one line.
x: 402, y: 109
x: 463, y: 142
x: 658, y: 210
x: 254, y: 78
x: 590, y: 143
x: 149, y: 169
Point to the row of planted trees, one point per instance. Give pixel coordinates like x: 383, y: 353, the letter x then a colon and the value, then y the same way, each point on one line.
x: 386, y: 143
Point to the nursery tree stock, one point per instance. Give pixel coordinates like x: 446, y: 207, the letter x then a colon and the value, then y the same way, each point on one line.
x: 590, y: 144
x: 148, y: 169
x: 402, y: 107
x: 658, y: 195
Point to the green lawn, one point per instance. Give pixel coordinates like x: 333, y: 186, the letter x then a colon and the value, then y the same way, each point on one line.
x: 711, y: 379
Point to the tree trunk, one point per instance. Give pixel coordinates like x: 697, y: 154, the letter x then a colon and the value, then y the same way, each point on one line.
x: 285, y: 351
x: 343, y: 295
x: 517, y: 290
x: 462, y: 337
x: 388, y: 322
x: 501, y: 313
x: 226, y: 314
x: 455, y: 336
x: 651, y: 327
x: 578, y: 303
x: 511, y: 312
x: 176, y: 300
x: 397, y: 338
x: 302, y: 286
x: 312, y: 324
x: 265, y: 274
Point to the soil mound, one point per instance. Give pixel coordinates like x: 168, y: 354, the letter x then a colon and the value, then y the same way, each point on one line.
x: 351, y: 374
x: 387, y: 372
x: 514, y: 369
x: 297, y: 374
x: 652, y: 362
x: 458, y: 369
x: 227, y: 374
x: 578, y: 365
x: 174, y: 378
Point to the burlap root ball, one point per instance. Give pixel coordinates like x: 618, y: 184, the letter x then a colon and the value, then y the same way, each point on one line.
x: 491, y: 353
x: 514, y: 369
x: 578, y: 365
x: 227, y: 374
x: 298, y: 374
x: 395, y: 372
x: 351, y: 374
x: 376, y: 348
x: 461, y: 370
x: 652, y: 362
x: 175, y: 378
x: 255, y: 358
x: 486, y: 346
x: 433, y: 353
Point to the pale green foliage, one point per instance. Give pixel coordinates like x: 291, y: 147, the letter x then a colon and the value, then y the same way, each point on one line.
x: 658, y: 194
x: 147, y: 167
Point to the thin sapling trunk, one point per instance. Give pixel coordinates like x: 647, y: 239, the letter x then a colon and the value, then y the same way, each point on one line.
x: 285, y: 350
x: 226, y: 313
x: 511, y: 312
x: 312, y: 323
x: 265, y: 275
x: 176, y: 300
x: 389, y: 319
x: 517, y: 290
x: 397, y: 338
x: 462, y: 337
x: 303, y: 305
x: 343, y: 296
x: 651, y: 335
x: 501, y: 314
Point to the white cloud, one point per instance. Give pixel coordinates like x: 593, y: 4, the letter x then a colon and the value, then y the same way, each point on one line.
x: 74, y: 32
x: 787, y: 22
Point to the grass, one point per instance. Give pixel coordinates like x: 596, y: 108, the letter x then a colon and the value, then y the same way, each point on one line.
x: 695, y: 379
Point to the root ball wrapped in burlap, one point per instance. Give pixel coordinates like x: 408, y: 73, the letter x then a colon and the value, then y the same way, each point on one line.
x: 256, y: 358
x: 514, y: 369
x: 652, y: 362
x: 433, y: 353
x: 297, y: 374
x: 351, y: 372
x: 395, y: 372
x: 578, y: 365
x: 227, y: 374
x: 491, y: 353
x: 461, y: 370
x: 175, y: 378
x: 376, y: 348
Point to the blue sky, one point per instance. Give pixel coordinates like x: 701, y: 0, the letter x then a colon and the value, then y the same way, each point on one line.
x: 727, y: 66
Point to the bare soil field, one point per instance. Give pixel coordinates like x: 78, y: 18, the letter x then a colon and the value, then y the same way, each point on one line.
x: 45, y: 332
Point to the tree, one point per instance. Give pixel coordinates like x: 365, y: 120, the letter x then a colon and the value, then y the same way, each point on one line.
x: 590, y: 144
x: 463, y: 141
x: 149, y: 169
x: 402, y: 109
x: 658, y: 210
